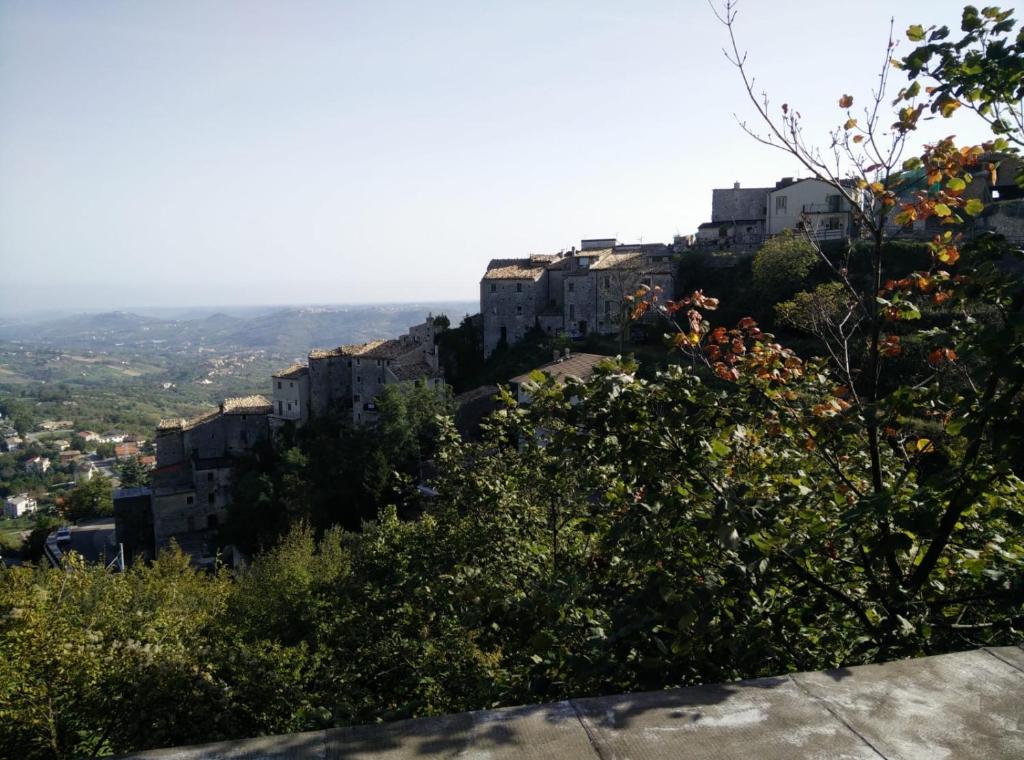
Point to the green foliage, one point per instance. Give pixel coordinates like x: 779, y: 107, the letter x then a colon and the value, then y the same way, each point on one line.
x: 983, y: 70
x: 90, y: 499
x: 132, y: 473
x: 782, y: 265
x: 331, y: 472
x: 745, y: 515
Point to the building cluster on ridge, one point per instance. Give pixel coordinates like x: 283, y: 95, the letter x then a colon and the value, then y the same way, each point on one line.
x: 571, y: 293
x: 191, y: 486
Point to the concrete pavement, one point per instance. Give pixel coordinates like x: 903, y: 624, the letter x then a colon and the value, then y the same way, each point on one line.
x: 963, y: 705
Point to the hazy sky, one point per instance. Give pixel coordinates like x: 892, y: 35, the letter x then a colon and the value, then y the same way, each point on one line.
x: 177, y: 152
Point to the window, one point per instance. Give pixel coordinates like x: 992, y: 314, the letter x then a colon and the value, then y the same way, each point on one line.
x: 572, y: 287
x: 607, y: 282
x: 211, y: 521
x: 519, y: 287
x: 780, y: 203
x: 279, y: 385
x: 359, y: 378
x: 291, y: 385
x: 289, y: 406
x: 209, y: 477
x: 356, y: 398
x: 833, y: 201
x: 519, y: 310
x: 378, y: 362
x: 189, y: 500
x: 494, y: 288
x: 211, y: 498
x: 572, y: 311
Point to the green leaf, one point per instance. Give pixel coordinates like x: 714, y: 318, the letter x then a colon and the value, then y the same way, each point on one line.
x: 915, y: 32
x: 956, y: 185
x: 974, y: 207
x: 941, y: 209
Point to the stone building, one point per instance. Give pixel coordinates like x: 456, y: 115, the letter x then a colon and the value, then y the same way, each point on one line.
x: 350, y: 377
x: 1003, y: 198
x: 290, y: 396
x: 737, y: 217
x: 573, y: 293
x: 743, y: 218
x: 191, y: 485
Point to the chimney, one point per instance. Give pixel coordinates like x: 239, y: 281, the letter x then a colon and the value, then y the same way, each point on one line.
x: 735, y: 185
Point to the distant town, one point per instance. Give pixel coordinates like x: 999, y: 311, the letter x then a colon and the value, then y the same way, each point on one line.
x: 571, y: 294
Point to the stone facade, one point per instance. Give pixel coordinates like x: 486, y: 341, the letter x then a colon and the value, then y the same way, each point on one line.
x: 191, y: 485
x: 195, y: 458
x: 573, y: 293
x: 350, y: 377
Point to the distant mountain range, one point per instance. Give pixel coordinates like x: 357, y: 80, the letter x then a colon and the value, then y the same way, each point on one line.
x: 286, y: 331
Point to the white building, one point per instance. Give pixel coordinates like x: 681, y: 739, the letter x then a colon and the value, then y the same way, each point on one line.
x: 37, y: 464
x: 84, y: 471
x: 17, y: 506
x: 290, y: 396
x: 812, y: 206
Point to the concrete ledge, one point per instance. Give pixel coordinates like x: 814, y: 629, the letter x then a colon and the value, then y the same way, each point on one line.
x: 964, y: 705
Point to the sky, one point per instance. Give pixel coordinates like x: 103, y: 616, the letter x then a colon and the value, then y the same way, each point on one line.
x: 183, y: 153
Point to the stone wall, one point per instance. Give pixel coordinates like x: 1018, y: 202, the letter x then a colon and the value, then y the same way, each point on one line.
x: 330, y: 382
x: 736, y: 203
x: 512, y: 305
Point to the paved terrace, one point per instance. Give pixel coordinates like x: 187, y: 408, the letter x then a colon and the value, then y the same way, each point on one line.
x: 965, y: 705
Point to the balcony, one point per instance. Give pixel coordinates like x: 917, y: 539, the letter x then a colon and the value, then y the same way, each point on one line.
x: 824, y: 208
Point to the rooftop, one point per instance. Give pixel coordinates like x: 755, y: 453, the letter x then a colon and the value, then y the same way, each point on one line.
x: 295, y: 370
x: 246, y: 405
x: 578, y: 366
x: 517, y: 269
x: 963, y: 705
x: 375, y: 349
x: 414, y: 371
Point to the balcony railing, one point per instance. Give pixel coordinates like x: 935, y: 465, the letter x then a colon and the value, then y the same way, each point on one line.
x: 824, y: 208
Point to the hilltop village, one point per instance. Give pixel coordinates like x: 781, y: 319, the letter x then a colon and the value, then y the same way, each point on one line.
x: 571, y: 294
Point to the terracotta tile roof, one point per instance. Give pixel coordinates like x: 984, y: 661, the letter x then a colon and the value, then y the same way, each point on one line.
x: 246, y: 405
x: 324, y: 353
x: 579, y: 366
x: 295, y: 370
x: 516, y: 269
x: 182, y: 423
x: 375, y: 349
x: 384, y: 349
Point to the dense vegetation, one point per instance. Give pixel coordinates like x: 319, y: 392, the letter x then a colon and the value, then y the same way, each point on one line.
x: 747, y: 512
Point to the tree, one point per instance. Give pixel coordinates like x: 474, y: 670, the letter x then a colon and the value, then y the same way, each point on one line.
x: 897, y: 559
x: 983, y: 70
x: 132, y: 473
x: 90, y: 499
x: 782, y: 265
